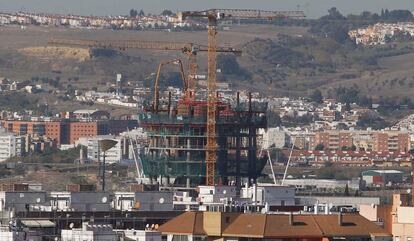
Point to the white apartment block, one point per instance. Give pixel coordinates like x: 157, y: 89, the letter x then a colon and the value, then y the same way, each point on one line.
x: 10, y: 145
x: 113, y: 155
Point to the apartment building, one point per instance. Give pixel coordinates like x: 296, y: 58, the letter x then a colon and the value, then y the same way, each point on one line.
x: 391, y: 141
x: 377, y: 141
x: 113, y: 155
x: 333, y: 140
x: 64, y: 131
x: 397, y: 218
x: 10, y: 145
x: 55, y: 130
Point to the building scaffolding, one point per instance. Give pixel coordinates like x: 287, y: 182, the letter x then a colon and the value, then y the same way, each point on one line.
x: 178, y: 138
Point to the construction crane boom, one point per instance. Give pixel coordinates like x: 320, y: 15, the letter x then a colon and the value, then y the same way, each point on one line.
x: 189, y: 49
x: 214, y: 15
x: 242, y: 13
x: 125, y: 44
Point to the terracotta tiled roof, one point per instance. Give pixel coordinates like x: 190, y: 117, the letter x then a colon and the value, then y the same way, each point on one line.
x: 276, y: 226
x: 353, y: 225
x: 186, y: 223
x: 245, y: 225
x: 279, y: 226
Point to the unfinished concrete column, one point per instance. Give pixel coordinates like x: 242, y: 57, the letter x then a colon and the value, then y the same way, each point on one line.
x: 188, y: 182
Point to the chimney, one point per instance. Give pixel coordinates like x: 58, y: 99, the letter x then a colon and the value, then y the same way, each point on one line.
x: 291, y: 222
x: 255, y: 194
x: 340, y: 219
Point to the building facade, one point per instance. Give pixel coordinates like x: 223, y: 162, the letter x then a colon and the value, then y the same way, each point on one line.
x: 10, y: 145
x: 68, y: 131
x: 378, y: 141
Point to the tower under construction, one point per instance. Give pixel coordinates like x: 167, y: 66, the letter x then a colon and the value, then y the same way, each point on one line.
x: 177, y: 140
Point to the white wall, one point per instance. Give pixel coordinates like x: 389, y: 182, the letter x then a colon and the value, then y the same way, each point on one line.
x: 275, y: 136
x: 405, y: 215
x: 10, y: 146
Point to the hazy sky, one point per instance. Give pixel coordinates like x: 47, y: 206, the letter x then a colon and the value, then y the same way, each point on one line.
x: 313, y: 8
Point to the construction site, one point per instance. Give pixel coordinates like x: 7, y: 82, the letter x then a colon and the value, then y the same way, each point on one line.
x: 178, y: 139
x: 199, y: 138
x: 196, y: 138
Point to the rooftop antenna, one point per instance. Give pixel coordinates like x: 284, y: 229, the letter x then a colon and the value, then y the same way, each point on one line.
x: 118, y: 84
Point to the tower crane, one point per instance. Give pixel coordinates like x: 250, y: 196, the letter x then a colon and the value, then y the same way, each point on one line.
x: 189, y: 49
x: 213, y: 16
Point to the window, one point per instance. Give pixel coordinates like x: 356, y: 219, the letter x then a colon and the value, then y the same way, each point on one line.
x: 180, y: 238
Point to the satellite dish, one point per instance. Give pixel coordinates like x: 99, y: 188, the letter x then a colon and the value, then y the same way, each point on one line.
x: 162, y: 200
x: 157, y: 226
x: 408, y: 191
x: 224, y: 192
x: 104, y: 199
x: 71, y: 225
x: 38, y: 200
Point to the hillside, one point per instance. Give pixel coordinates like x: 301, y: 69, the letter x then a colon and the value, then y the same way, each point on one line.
x: 282, y: 60
x: 295, y: 65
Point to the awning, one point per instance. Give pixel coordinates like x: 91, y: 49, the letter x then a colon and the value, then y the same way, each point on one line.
x: 38, y: 223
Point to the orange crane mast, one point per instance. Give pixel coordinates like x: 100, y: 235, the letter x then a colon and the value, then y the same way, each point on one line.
x: 213, y: 16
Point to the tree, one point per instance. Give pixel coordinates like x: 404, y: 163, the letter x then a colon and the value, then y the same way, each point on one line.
x: 386, y: 13
x: 400, y: 15
x: 141, y: 13
x: 273, y: 119
x: 229, y: 66
x: 316, y: 96
x: 133, y: 13
x: 334, y: 14
x: 320, y: 147
x: 111, y: 89
x: 167, y: 12
x: 346, y: 192
x: 371, y: 119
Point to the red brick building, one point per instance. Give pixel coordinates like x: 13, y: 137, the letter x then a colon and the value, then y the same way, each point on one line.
x: 68, y: 131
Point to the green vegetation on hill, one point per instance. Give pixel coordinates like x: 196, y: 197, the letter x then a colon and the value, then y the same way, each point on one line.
x: 17, y: 102
x: 287, y: 57
x: 336, y: 26
x: 230, y: 67
x: 49, y: 156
